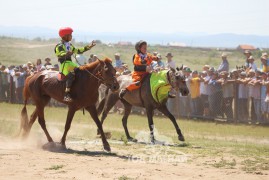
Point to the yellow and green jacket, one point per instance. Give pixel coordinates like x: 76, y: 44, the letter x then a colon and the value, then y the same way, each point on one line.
x: 61, y: 50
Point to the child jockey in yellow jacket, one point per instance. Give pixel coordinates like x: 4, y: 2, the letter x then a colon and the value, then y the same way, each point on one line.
x: 64, y: 50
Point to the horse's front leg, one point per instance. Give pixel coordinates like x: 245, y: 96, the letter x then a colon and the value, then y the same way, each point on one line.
x: 92, y: 110
x: 70, y: 115
x: 150, y: 123
x: 166, y: 112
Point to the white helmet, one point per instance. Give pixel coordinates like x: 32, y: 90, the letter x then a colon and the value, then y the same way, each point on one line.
x: 81, y: 60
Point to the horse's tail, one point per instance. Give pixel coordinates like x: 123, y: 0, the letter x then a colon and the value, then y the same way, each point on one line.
x: 24, y: 116
x: 101, y: 106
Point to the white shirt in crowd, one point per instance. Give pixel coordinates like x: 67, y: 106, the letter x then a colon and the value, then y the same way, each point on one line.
x: 171, y: 64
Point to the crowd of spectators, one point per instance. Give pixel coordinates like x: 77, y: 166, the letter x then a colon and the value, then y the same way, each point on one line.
x: 12, y: 78
x: 237, y: 95
x: 240, y: 95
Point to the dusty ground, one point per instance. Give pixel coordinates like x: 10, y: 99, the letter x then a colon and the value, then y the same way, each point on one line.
x: 86, y: 160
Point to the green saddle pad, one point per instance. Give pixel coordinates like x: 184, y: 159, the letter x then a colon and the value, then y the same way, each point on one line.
x: 159, y: 86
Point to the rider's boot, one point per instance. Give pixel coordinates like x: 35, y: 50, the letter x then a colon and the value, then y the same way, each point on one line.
x: 70, y: 78
x: 122, y: 93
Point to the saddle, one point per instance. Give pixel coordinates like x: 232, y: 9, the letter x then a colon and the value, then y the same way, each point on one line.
x: 54, y: 74
x: 61, y: 77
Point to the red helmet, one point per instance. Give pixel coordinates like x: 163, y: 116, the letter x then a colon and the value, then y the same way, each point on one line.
x: 64, y: 31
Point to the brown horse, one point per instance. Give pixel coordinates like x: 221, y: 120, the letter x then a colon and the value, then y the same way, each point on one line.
x: 143, y: 98
x: 43, y: 86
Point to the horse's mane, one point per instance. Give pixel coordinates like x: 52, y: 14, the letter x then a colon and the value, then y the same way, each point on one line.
x: 94, y: 64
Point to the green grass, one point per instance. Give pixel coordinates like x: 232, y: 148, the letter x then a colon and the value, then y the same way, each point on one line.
x: 55, y: 167
x: 19, y: 51
x: 124, y: 178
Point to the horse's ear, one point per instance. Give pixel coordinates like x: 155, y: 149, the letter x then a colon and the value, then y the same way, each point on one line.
x: 173, y: 70
x: 181, y: 68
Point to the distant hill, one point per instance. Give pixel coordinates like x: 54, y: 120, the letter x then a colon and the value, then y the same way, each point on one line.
x: 190, y: 39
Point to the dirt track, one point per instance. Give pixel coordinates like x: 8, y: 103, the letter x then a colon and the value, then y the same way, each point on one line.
x: 86, y: 160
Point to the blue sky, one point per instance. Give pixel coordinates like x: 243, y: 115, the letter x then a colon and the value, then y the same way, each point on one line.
x: 165, y: 16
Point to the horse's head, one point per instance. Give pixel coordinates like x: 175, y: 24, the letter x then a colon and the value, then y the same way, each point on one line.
x: 108, y: 74
x: 181, y: 81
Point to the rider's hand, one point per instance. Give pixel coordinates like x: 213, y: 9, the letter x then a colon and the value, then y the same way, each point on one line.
x: 92, y: 44
x: 69, y: 53
x: 148, y: 69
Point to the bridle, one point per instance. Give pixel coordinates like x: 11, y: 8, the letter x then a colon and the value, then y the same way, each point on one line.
x: 98, y: 74
x: 171, y: 78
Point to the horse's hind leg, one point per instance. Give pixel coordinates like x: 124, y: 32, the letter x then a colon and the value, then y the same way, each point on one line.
x: 40, y: 114
x: 110, y: 102
x: 150, y: 123
x: 92, y: 110
x: 127, y: 111
x: 166, y: 112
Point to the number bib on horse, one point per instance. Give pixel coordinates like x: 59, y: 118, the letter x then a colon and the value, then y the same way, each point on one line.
x: 159, y: 86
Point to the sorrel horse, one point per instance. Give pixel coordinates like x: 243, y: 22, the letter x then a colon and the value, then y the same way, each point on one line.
x: 143, y: 98
x: 43, y: 86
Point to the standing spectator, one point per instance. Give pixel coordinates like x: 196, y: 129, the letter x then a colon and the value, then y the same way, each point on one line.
x: 228, y: 93
x: 251, y: 94
x: 255, y: 82
x: 195, y: 94
x: 252, y: 65
x: 170, y: 63
x: 11, y: 84
x: 158, y: 64
x: 38, y: 65
x: 206, y: 68
x: 30, y: 65
x: 47, y: 62
x: 3, y: 84
x: 214, y: 95
x: 247, y: 53
x: 204, y: 92
x: 118, y: 61
x: 126, y: 70
x: 242, y: 98
x: 264, y: 104
x: 224, y: 66
x: 19, y: 84
x: 264, y: 63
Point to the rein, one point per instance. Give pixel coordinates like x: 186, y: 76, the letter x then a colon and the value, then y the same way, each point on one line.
x: 103, y: 81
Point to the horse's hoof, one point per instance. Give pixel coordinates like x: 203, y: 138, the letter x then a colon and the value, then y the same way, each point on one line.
x: 181, y: 138
x: 49, y: 146
x: 132, y: 140
x: 60, y: 147
x: 107, y: 148
x: 153, y: 141
x: 98, y: 132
